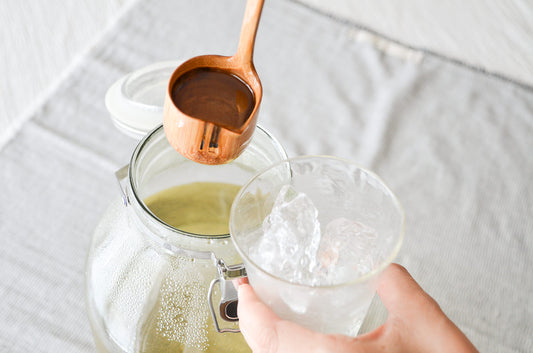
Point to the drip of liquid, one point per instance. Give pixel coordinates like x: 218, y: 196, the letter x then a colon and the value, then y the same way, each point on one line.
x: 215, y: 96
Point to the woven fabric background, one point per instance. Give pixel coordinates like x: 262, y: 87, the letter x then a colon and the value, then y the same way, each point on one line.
x: 454, y: 144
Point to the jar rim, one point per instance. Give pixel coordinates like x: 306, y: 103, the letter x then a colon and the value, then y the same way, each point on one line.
x: 146, y: 210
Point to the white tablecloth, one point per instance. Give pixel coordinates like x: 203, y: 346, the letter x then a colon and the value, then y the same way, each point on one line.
x: 454, y: 144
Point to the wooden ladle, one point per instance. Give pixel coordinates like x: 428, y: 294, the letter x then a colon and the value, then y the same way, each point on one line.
x: 206, y: 141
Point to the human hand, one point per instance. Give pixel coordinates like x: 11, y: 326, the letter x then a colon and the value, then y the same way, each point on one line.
x: 415, y: 324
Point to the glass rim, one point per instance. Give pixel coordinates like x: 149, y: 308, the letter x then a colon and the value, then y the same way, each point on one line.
x: 133, y: 185
x: 375, y: 271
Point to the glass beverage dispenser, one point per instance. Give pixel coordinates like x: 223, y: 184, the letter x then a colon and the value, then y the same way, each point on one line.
x: 148, y: 270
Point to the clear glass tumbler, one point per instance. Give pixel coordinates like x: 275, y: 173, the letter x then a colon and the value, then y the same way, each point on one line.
x: 339, y: 190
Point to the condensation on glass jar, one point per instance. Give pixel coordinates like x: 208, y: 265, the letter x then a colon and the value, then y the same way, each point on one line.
x: 146, y: 281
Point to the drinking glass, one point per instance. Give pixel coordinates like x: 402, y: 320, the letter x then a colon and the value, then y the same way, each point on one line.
x: 339, y: 189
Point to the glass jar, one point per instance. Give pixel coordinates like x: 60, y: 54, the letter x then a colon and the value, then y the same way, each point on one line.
x: 146, y: 281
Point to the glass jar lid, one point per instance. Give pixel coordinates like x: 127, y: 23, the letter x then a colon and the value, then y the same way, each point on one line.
x: 135, y: 101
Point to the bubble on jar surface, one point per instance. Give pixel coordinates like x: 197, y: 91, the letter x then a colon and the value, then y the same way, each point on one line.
x: 181, y: 316
x: 122, y: 283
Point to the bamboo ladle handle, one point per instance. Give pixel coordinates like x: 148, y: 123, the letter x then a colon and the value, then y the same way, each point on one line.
x: 206, y: 141
x: 250, y: 23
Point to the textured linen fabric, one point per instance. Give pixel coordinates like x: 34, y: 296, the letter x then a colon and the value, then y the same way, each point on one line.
x: 490, y: 35
x: 41, y: 42
x: 455, y: 145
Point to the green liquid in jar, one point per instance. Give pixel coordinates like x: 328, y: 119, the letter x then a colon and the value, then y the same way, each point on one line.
x: 180, y: 321
x: 201, y: 208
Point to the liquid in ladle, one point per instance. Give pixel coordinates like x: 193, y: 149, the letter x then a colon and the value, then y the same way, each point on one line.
x: 215, y: 96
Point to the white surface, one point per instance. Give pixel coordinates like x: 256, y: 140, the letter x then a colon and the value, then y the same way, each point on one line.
x: 494, y: 35
x: 453, y: 144
x: 40, y: 39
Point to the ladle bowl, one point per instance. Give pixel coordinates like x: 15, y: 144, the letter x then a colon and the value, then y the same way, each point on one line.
x: 207, y: 142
